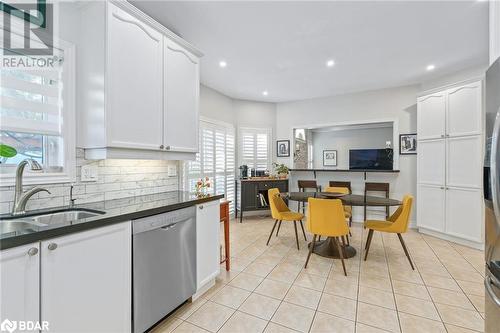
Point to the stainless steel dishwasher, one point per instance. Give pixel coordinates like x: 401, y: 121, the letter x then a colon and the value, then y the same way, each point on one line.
x: 164, y: 265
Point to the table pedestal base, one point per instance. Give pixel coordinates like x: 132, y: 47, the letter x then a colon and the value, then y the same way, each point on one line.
x: 328, y: 248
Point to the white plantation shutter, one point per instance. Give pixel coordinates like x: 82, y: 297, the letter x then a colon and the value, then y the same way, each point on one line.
x: 215, y: 160
x: 255, y: 148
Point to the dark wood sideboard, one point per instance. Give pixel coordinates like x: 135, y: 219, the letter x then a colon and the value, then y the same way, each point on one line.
x: 249, y: 191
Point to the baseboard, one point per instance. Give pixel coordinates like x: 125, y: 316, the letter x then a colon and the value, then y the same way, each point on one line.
x: 203, y: 289
x: 461, y: 241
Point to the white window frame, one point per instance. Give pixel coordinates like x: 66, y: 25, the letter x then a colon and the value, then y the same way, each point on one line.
x: 68, y: 129
x: 266, y: 130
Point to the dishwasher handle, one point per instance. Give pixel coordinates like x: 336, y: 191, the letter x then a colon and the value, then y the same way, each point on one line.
x: 168, y: 227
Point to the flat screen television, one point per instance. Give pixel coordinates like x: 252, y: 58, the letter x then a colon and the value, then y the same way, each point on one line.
x: 370, y: 159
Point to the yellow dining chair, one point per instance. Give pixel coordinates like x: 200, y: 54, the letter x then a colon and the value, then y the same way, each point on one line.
x: 397, y: 224
x: 280, y: 212
x: 325, y: 217
x: 343, y: 190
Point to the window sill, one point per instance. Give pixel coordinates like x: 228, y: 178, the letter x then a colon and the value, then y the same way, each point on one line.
x: 36, y: 179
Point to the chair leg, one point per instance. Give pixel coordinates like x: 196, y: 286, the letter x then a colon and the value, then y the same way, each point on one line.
x: 344, y: 245
x: 310, y: 250
x: 296, y: 234
x: 272, y: 232
x: 278, y: 230
x: 319, y: 238
x: 406, y: 250
x: 368, y: 242
x: 303, y: 231
x: 341, y: 253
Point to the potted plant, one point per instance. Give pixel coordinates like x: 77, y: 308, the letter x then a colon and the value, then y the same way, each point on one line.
x: 281, y: 169
x: 6, y: 152
x: 202, y: 186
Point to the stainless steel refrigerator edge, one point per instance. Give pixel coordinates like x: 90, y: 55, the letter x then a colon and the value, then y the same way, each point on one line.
x: 492, y: 199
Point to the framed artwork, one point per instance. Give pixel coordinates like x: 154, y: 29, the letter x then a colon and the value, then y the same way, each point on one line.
x: 408, y: 144
x: 283, y: 148
x: 329, y: 158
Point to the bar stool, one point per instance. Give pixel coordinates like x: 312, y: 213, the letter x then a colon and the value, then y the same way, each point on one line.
x: 378, y: 187
x: 307, y: 185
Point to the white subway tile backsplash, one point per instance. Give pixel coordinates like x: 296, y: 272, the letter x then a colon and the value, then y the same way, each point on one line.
x: 117, y: 179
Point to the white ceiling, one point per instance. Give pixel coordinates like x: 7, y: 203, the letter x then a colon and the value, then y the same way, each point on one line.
x: 282, y: 47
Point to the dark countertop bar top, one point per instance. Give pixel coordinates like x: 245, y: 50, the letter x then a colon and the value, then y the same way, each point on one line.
x: 261, y: 179
x: 346, y: 170
x: 116, y: 211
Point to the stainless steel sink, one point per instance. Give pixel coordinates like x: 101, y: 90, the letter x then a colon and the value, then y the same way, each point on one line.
x: 15, y: 226
x: 63, y: 216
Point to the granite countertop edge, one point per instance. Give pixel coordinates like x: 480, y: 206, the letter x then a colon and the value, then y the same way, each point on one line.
x: 101, y: 220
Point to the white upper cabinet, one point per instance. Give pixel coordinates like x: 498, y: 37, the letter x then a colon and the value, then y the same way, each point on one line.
x: 138, y: 86
x: 464, y: 161
x: 134, y: 87
x: 431, y: 114
x: 182, y: 93
x: 20, y: 283
x: 431, y: 162
x: 464, y: 115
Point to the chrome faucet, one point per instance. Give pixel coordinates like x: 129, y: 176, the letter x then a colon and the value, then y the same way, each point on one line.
x: 20, y: 197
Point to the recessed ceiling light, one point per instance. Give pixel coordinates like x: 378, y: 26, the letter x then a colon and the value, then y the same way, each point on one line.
x: 430, y: 67
x: 265, y: 93
x: 330, y: 63
x: 222, y: 64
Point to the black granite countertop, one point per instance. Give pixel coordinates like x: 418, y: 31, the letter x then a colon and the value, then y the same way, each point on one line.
x: 116, y: 211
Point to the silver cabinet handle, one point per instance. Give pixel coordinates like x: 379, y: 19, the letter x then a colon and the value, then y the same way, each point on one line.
x: 52, y: 246
x: 442, y: 135
x: 161, y: 146
x: 201, y: 207
x: 488, y: 282
x: 167, y: 147
x: 442, y: 187
x: 33, y: 251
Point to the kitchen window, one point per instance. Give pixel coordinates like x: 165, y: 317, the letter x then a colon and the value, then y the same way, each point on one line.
x: 215, y: 160
x: 255, y: 148
x: 37, y: 118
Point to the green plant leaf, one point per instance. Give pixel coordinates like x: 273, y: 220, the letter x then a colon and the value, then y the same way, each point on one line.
x: 7, y: 151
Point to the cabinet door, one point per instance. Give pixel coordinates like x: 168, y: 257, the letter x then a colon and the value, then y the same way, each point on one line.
x: 464, y: 115
x: 19, y: 283
x: 86, y: 280
x: 464, y: 161
x: 464, y: 209
x: 431, y: 162
x: 182, y: 94
x: 431, y: 207
x: 134, y: 86
x: 207, y: 242
x: 431, y: 116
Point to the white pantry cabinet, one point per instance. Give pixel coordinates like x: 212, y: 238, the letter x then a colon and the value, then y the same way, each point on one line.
x: 86, y: 280
x: 207, y: 243
x: 19, y: 283
x: 138, y: 86
x: 449, y: 163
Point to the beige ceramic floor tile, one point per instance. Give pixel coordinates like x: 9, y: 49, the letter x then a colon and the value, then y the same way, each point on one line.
x: 188, y: 308
x: 362, y: 328
x: 344, y: 288
x: 275, y: 328
x: 376, y: 282
x: 378, y: 316
x: 294, y: 317
x: 410, y: 289
x: 273, y: 288
x: 303, y: 297
x: 472, y: 288
x: 338, y: 306
x: 246, y: 281
x: 186, y: 327
x: 243, y: 323
x: 376, y: 297
x: 457, y: 329
x: 310, y: 281
x: 450, y: 297
x: 417, y: 307
x: 460, y: 317
x: 167, y: 325
x: 440, y: 282
x: 478, y: 302
x: 282, y: 275
x: 260, y: 306
x: 211, y: 316
x: 258, y: 269
x: 415, y: 324
x: 230, y: 296
x: 325, y: 323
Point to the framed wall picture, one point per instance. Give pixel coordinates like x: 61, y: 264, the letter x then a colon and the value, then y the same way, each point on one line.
x: 283, y: 148
x: 329, y: 158
x: 408, y: 144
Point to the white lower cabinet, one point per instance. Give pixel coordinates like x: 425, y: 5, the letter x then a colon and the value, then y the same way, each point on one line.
x: 86, y: 280
x: 463, y: 207
x: 19, y: 283
x: 431, y: 207
x: 207, y: 243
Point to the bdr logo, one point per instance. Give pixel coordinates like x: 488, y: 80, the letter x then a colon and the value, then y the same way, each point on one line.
x: 23, y: 325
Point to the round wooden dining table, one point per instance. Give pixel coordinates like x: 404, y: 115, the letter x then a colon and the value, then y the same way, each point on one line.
x: 328, y: 247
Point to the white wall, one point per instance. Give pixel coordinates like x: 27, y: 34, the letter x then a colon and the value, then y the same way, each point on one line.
x: 397, y: 104
x: 494, y: 30
x: 344, y: 140
x: 215, y: 105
